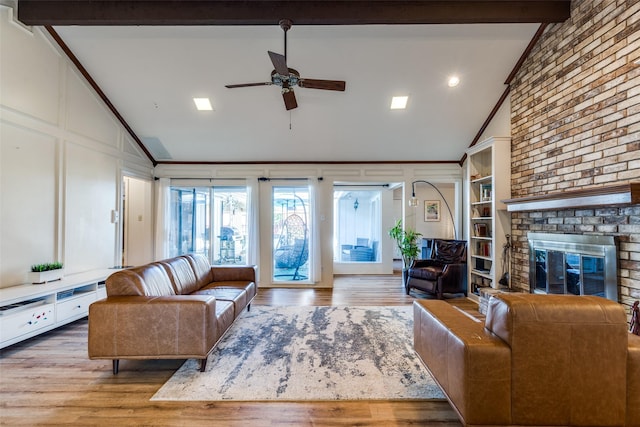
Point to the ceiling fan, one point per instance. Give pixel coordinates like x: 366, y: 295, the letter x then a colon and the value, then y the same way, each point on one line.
x: 287, y: 78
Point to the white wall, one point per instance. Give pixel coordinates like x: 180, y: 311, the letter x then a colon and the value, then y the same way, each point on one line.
x: 501, y: 123
x: 62, y: 158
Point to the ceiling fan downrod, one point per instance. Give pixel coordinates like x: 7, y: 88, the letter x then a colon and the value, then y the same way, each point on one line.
x: 285, y: 24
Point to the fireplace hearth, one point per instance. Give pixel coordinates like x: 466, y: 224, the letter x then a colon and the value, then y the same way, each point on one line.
x: 573, y: 264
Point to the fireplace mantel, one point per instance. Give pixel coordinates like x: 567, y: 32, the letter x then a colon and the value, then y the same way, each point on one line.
x: 613, y: 195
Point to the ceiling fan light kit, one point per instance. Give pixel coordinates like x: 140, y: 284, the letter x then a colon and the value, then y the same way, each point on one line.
x: 286, y: 78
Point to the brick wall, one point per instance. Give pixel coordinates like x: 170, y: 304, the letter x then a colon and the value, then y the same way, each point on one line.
x: 575, y: 123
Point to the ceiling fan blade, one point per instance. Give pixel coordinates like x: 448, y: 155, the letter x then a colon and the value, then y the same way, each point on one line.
x: 322, y: 84
x: 248, y: 85
x: 289, y: 99
x: 279, y: 63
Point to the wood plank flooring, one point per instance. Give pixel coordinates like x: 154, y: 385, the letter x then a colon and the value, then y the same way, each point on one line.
x: 49, y: 380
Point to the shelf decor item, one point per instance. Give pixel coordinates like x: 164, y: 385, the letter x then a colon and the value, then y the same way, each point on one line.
x: 480, y: 230
x: 485, y: 190
x: 44, y: 273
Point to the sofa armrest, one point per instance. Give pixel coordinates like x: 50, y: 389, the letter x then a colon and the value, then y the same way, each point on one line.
x: 453, y: 270
x: 453, y: 279
x: 471, y: 365
x: 141, y: 327
x: 233, y: 273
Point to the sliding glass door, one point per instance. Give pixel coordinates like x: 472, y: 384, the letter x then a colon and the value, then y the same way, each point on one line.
x: 290, y: 233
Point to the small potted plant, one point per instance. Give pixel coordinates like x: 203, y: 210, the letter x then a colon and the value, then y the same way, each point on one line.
x: 407, y: 242
x: 47, y: 272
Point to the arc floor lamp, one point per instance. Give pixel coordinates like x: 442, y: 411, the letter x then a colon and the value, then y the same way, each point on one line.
x: 413, y: 202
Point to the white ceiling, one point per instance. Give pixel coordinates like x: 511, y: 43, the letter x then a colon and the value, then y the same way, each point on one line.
x: 151, y: 74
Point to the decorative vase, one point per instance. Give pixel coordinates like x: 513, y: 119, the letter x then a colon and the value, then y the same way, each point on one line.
x: 405, y: 276
x: 40, y: 277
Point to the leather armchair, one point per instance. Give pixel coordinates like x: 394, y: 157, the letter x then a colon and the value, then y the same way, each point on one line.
x: 445, y: 272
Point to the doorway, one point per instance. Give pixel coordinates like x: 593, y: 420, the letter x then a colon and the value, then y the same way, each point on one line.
x: 362, y: 216
x: 137, y: 221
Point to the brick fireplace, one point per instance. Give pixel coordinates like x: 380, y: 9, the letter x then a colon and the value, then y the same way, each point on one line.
x: 591, y: 231
x: 575, y: 125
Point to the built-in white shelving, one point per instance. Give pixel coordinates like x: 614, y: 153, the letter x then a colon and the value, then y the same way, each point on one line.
x: 488, y: 222
x: 29, y: 310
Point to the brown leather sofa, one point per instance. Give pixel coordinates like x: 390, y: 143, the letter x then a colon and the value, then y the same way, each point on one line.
x: 537, y: 360
x: 178, y: 308
x: 444, y: 272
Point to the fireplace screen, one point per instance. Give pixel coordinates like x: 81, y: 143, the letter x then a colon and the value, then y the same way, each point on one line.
x: 573, y: 264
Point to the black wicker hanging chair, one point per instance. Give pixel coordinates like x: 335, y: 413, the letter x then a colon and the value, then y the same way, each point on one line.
x: 292, y: 250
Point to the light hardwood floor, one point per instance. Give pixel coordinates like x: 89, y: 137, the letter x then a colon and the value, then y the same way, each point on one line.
x: 48, y: 380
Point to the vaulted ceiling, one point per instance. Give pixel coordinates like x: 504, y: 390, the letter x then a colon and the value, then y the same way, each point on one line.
x: 151, y: 58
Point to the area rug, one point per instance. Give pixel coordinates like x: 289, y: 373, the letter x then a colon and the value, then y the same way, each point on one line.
x: 310, y: 353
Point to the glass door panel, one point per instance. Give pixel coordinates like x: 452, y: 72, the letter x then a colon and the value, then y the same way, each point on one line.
x: 190, y: 219
x: 593, y: 275
x: 541, y: 271
x: 291, y: 233
x: 555, y: 272
x: 211, y: 221
x: 230, y: 227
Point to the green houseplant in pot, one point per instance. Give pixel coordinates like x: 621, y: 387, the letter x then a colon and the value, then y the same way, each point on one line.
x: 47, y: 272
x: 407, y: 242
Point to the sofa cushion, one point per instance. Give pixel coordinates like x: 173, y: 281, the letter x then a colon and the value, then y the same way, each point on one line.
x: 182, y: 276
x: 237, y: 274
x: 235, y: 295
x: 430, y: 273
x: 124, y: 282
x: 148, y: 280
x: 224, y: 316
x: 449, y: 251
x: 201, y: 268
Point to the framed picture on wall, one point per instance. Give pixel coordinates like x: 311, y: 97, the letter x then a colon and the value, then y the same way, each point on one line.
x: 432, y: 210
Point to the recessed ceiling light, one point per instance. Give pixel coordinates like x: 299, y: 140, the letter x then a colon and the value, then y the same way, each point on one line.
x: 453, y: 81
x: 399, y: 102
x: 203, y: 104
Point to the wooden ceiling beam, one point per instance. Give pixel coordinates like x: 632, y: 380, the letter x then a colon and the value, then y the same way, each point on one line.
x: 301, y: 12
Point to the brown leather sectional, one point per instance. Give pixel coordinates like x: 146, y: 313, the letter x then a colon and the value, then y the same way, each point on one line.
x: 537, y: 360
x: 178, y: 308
